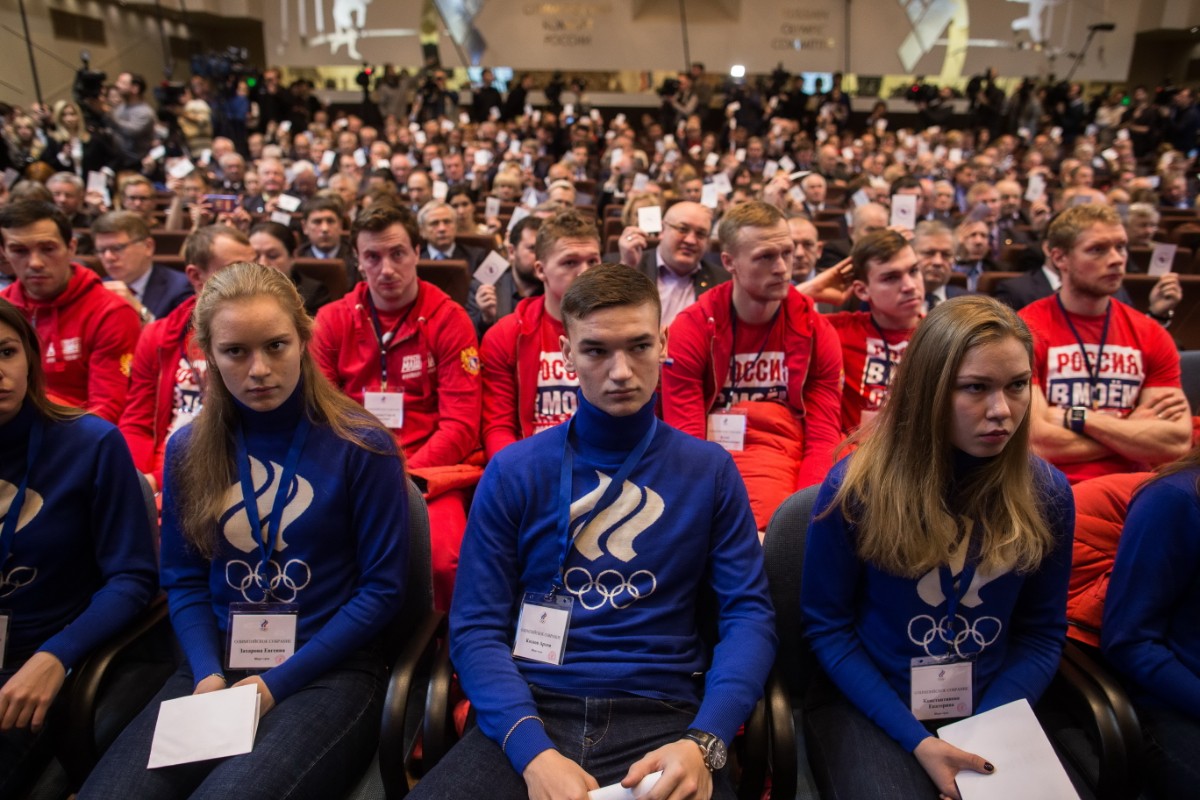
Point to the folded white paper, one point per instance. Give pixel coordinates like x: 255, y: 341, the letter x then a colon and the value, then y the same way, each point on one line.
x: 200, y: 727
x: 650, y: 219
x: 491, y: 269
x: 1012, y: 740
x: 1162, y: 258
x: 288, y: 202
x: 618, y: 792
x: 904, y: 211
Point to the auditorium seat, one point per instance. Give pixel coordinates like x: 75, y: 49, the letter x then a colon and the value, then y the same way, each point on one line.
x: 451, y: 277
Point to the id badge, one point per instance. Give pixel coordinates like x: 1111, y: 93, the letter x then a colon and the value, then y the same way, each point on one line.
x: 728, y: 429
x: 5, y: 618
x: 542, y: 628
x: 261, y: 635
x: 388, y: 407
x: 942, y: 687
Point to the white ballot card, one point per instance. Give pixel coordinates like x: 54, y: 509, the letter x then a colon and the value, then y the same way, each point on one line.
x: 1012, y: 740
x: 1162, y: 257
x: 519, y: 213
x: 96, y: 182
x: 440, y: 190
x: 483, y: 158
x: 1037, y: 187
x: 904, y: 211
x: 200, y: 727
x: 709, y: 196
x: 787, y: 165
x: 860, y: 198
x: 388, y: 408
x: 435, y: 164
x: 282, y: 217
x: 711, y: 160
x: 491, y: 207
x: 288, y: 203
x: 618, y: 792
x: 328, y: 158
x: 360, y: 158
x: 769, y: 170
x: 740, y: 154
x: 157, y: 152
x: 181, y: 169
x: 650, y: 219
x: 491, y: 269
x: 721, y: 181
x: 955, y: 154
x: 640, y: 181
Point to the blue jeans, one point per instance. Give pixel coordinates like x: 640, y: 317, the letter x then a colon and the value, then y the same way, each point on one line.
x: 313, y: 744
x: 604, y: 737
x: 1171, y: 751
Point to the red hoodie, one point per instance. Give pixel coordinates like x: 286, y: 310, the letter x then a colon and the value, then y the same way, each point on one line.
x: 700, y: 346
x: 87, y: 335
x: 433, y: 359
x: 147, y: 415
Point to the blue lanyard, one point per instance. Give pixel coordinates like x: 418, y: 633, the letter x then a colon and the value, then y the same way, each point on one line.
x: 565, y: 484
x: 14, y: 511
x: 266, y: 543
x: 385, y: 339
x: 953, y: 598
x: 1093, y: 369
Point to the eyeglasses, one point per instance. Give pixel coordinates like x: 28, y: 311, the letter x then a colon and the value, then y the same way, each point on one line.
x: 138, y: 198
x: 687, y: 230
x: 117, y: 249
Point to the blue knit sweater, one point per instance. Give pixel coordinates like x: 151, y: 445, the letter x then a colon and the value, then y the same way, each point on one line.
x: 342, y: 552
x: 81, y: 565
x: 682, y: 524
x: 866, y: 625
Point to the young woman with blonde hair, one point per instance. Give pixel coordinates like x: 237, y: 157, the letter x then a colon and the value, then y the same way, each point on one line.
x: 282, y: 501
x: 940, y: 549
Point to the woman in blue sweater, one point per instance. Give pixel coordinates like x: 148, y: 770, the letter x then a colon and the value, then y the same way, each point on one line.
x: 935, y: 575
x: 322, y: 543
x: 1150, y: 632
x: 76, y: 551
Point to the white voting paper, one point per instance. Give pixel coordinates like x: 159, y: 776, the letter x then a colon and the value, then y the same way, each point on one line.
x: 519, y: 213
x: 491, y: 207
x: 288, y: 203
x: 204, y: 726
x: 904, y: 211
x: 618, y: 792
x: 709, y: 196
x: 1036, y: 189
x: 156, y: 153
x: 721, y: 181
x: 650, y: 219
x: 769, y: 170
x: 1162, y: 257
x: 440, y: 190
x: 860, y: 198
x: 360, y: 158
x: 96, y: 182
x: 282, y: 217
x: 787, y: 165
x: 1011, y: 739
x: 181, y: 169
x: 640, y: 181
x: 711, y: 160
x: 328, y: 158
x: 491, y: 269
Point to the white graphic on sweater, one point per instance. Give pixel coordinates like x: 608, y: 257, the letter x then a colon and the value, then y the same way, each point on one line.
x: 959, y: 636
x: 18, y: 576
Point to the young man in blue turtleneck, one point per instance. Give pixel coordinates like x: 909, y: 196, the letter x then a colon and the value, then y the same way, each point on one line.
x: 588, y: 550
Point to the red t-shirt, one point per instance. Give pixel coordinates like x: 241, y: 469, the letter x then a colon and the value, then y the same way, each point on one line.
x: 1137, y: 354
x: 555, y: 399
x: 759, y: 367
x: 190, y: 379
x: 870, y: 362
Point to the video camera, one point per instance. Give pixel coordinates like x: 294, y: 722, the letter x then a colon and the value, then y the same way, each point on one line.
x: 89, y: 83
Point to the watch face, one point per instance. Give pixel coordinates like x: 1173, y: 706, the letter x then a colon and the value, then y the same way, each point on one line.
x: 717, y: 755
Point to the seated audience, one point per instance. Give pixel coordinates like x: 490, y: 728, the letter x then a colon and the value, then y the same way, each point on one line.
x: 273, y: 244
x: 321, y: 221
x: 126, y: 250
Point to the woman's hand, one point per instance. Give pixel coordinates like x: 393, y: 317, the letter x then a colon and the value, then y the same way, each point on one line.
x: 943, y: 761
x: 265, y: 701
x: 213, y: 683
x: 26, y: 698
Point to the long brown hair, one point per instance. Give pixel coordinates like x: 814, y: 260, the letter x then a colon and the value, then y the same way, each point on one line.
x: 895, y: 489
x: 35, y: 391
x: 207, y: 470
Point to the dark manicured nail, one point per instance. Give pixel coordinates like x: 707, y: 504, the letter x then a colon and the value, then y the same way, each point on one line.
x: 987, y: 765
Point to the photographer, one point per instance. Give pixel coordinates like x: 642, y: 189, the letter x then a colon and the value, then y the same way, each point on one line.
x: 132, y: 122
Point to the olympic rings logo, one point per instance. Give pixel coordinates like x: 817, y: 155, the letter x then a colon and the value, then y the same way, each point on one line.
x: 16, y: 578
x: 924, y: 630
x: 283, y: 585
x: 609, y: 587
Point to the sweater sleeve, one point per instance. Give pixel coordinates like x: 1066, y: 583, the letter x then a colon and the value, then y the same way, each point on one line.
x: 110, y: 360
x: 1038, y: 624
x: 746, y: 621
x: 688, y: 348
x: 501, y: 420
x: 1156, y: 565
x: 822, y: 404
x: 459, y: 392
x: 828, y: 594
x: 487, y: 597
x: 185, y: 576
x: 138, y: 416
x: 124, y: 551
x: 381, y: 533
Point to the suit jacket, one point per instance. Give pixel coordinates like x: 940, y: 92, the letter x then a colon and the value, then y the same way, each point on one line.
x: 709, y: 275
x: 345, y: 253
x: 314, y: 293
x: 506, y: 300
x: 952, y: 292
x: 472, y: 255
x: 1022, y: 290
x: 165, y: 290
x: 835, y: 250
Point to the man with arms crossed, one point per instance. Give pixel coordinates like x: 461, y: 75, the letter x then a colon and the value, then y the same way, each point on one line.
x: 1107, y: 394
x: 574, y: 627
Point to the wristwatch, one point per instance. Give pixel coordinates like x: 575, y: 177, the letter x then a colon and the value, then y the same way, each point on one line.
x: 711, y: 748
x: 1074, y: 418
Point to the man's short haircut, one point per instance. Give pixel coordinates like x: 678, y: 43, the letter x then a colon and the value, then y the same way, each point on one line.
x: 527, y: 223
x: 905, y: 182
x: 137, y: 80
x: 931, y: 227
x: 608, y: 286
x: 125, y: 222
x: 231, y: 158
x: 755, y: 214
x: 198, y: 247
x: 322, y: 203
x: 30, y: 190
x: 135, y: 180
x: 977, y: 190
x: 1066, y: 227
x: 65, y: 177
x: 430, y: 207
x: 378, y: 218
x: 23, y: 213
x: 1144, y: 211
x: 879, y: 247
x: 568, y: 224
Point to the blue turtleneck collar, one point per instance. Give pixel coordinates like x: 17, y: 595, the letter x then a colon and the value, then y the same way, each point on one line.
x: 282, y: 418
x: 17, y: 429
x: 597, y: 428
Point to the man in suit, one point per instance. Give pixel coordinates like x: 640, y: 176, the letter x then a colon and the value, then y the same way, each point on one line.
x: 126, y: 251
x: 323, y: 225
x: 865, y: 219
x: 486, y: 304
x: 438, y: 224
x: 933, y: 242
x: 974, y: 250
x: 677, y: 265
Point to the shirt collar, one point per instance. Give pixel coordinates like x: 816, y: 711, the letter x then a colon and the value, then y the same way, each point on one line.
x: 1053, y: 277
x: 138, y: 287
